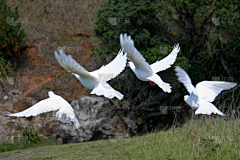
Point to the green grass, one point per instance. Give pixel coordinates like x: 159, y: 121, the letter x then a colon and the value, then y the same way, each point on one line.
x: 197, y: 139
x: 10, y: 147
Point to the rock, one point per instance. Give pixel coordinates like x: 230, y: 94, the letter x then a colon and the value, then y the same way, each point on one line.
x: 5, y: 97
x: 14, y: 92
x: 98, y: 119
x: 10, y: 126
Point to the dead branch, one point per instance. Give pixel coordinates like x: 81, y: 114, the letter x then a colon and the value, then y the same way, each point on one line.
x: 206, y: 56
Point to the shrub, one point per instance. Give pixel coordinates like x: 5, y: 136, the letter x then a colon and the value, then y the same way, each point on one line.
x: 137, y: 18
x: 5, y: 67
x: 11, y: 35
x: 23, y: 139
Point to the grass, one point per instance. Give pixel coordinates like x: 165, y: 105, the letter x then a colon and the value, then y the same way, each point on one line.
x: 197, y: 139
x: 10, y: 147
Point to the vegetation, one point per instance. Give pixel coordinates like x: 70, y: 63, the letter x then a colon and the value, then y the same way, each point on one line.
x: 198, y: 139
x: 11, y: 36
x: 24, y: 139
x: 208, y: 34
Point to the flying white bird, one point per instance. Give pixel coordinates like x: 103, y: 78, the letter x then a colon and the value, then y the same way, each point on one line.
x: 142, y: 69
x: 55, y: 102
x: 204, y: 93
x: 95, y: 80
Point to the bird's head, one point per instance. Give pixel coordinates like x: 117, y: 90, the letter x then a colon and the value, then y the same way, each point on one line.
x: 185, y: 98
x: 131, y: 65
x: 50, y: 93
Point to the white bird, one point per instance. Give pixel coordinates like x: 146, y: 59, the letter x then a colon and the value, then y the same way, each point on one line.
x: 200, y: 98
x: 142, y: 69
x: 95, y: 80
x: 55, y: 102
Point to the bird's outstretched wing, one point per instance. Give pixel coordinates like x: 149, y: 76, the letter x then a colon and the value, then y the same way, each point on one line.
x: 185, y: 79
x: 167, y: 61
x: 42, y: 106
x: 71, y: 65
x: 209, y: 90
x: 112, y: 69
x: 133, y: 54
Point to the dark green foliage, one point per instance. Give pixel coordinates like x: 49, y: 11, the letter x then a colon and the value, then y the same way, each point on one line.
x: 11, y: 34
x: 140, y: 20
x: 207, y: 31
x: 5, y: 67
x: 204, y: 28
x: 137, y: 18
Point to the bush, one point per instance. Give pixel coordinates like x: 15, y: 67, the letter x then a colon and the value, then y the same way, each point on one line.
x: 137, y: 18
x: 11, y: 35
x: 21, y: 140
x: 5, y: 67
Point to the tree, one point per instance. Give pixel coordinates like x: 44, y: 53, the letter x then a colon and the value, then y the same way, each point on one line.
x: 156, y: 24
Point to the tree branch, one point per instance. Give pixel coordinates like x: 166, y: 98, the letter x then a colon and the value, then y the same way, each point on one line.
x: 206, y: 56
x: 205, y: 20
x: 223, y: 63
x: 158, y: 97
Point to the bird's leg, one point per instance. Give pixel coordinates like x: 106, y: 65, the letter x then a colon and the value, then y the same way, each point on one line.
x: 152, y: 83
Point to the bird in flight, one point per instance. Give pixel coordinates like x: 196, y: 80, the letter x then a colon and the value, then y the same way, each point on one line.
x: 200, y: 98
x: 95, y: 80
x: 55, y: 102
x: 142, y: 69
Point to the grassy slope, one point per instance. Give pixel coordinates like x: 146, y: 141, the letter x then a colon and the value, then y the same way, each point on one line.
x: 197, y: 139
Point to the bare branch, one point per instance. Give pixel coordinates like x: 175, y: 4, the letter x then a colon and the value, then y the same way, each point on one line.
x: 225, y: 67
x: 223, y: 63
x: 205, y: 20
x: 206, y: 56
x: 158, y: 97
x: 155, y: 114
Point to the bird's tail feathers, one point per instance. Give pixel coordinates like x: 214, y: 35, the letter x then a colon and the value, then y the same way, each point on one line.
x: 64, y: 120
x: 66, y: 116
x: 208, y: 108
x: 107, y: 91
x: 157, y: 80
x: 76, y: 123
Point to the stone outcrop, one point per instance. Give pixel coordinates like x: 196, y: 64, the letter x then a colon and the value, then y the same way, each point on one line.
x: 98, y: 119
x: 10, y: 126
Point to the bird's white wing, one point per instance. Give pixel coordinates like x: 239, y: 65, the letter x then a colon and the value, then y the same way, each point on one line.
x: 167, y: 61
x: 133, y: 54
x: 112, y: 69
x: 42, y: 106
x: 208, y: 108
x: 185, y: 79
x: 71, y: 65
x: 209, y: 90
